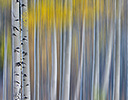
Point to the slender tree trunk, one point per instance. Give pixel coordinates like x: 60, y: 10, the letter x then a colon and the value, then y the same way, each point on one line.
x: 47, y: 68
x: 97, y: 56
x: 83, y: 78
x: 117, y: 73
x: 5, y: 60
x: 93, y: 67
x: 64, y: 48
x: 16, y: 51
x: 38, y: 66
x: 114, y: 57
x: 108, y: 62
x: 81, y: 63
x: 61, y: 37
x: 68, y: 58
x: 35, y: 51
x: 25, y: 51
x: 54, y: 68
x: 60, y: 86
x: 84, y: 73
x: 38, y: 56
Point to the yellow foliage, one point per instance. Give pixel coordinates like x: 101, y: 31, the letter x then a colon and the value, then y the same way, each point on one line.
x: 49, y: 10
x: 5, y: 3
x: 25, y: 18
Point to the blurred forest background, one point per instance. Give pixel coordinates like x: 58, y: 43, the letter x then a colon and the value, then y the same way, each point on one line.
x: 74, y: 49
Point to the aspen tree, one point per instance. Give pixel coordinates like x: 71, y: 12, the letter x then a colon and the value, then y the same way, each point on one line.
x: 117, y: 71
x: 93, y: 67
x: 114, y: 51
x: 38, y: 60
x: 16, y: 50
x: 25, y: 51
x: 54, y: 68
x: 81, y: 62
x: 64, y: 45
x: 97, y: 55
x: 67, y: 66
x: 61, y: 37
x: 5, y: 60
x: 35, y: 50
x: 108, y: 61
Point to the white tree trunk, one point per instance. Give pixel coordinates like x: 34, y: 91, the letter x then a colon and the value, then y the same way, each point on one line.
x: 54, y: 70
x: 66, y: 90
x: 81, y: 63
x: 93, y: 67
x: 64, y: 49
x: 97, y: 57
x: 117, y: 72
x: 60, y: 84
x: 114, y: 51
x: 5, y: 60
x: 35, y: 50
x: 108, y: 62
x: 16, y: 51
x: 38, y: 56
x: 25, y: 51
x: 48, y: 95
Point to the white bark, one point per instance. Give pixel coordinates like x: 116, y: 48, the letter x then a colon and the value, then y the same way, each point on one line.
x: 117, y: 72
x: 108, y: 62
x: 93, y: 67
x: 16, y: 51
x: 35, y: 63
x: 25, y: 51
x: 48, y: 95
x: 60, y: 84
x: 64, y: 49
x: 81, y: 63
x: 54, y: 70
x: 38, y: 56
x: 97, y: 58
x: 5, y: 60
x: 114, y: 58
x: 68, y: 58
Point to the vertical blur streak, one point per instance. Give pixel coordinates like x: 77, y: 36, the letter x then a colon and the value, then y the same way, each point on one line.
x: 97, y: 54
x: 12, y: 53
x: 54, y: 68
x: 117, y: 73
x: 114, y: 51
x: 68, y: 56
x: 38, y: 56
x: 93, y: 66
x: 47, y: 69
x: 35, y: 50
x: 61, y: 57
x: 84, y: 73
x: 60, y: 89
x: 127, y: 52
x: 108, y: 60
x: 64, y: 46
x: 79, y: 79
x: 5, y: 59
